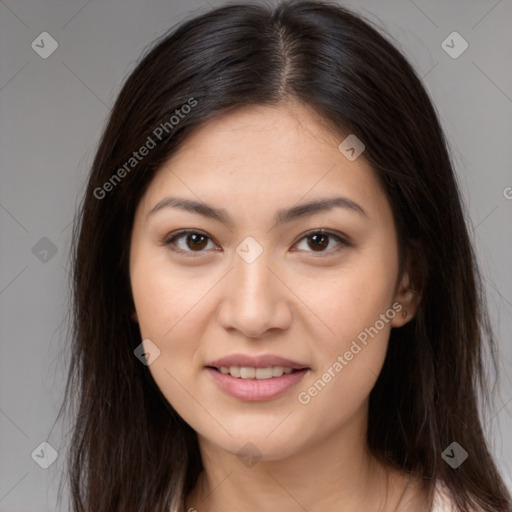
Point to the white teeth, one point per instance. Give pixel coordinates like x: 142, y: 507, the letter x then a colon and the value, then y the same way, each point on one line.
x: 234, y: 371
x: 251, y: 373
x: 247, y: 373
x: 264, y: 373
x: 277, y: 371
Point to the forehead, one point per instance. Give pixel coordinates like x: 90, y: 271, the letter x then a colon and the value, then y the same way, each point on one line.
x: 266, y: 156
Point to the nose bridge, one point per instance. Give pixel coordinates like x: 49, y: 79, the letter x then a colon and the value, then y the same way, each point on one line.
x: 253, y: 301
x: 251, y: 279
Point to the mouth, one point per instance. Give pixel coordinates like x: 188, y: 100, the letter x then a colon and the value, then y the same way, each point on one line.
x: 251, y: 384
x: 256, y: 377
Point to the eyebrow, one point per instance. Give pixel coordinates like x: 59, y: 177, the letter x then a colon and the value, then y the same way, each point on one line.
x: 282, y: 216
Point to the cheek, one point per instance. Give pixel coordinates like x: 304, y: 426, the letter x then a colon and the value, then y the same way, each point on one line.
x: 355, y: 305
x: 349, y: 300
x: 339, y: 395
x: 164, y: 295
x: 170, y: 313
x: 348, y: 367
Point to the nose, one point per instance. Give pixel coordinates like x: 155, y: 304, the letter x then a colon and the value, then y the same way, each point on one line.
x: 255, y: 299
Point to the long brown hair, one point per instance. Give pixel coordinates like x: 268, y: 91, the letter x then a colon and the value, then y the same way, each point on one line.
x: 130, y: 450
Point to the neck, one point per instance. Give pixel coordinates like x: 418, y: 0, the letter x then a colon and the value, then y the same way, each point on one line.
x: 337, y: 473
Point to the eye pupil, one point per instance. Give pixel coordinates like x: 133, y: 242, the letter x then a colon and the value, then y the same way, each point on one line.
x: 198, y: 241
x: 320, y: 241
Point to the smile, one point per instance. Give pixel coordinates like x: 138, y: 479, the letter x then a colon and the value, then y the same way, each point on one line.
x: 256, y: 384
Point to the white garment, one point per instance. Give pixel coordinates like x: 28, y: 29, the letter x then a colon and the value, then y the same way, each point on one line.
x: 442, y: 501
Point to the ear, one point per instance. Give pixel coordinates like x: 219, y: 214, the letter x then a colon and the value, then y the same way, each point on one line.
x: 134, y: 316
x: 408, y: 291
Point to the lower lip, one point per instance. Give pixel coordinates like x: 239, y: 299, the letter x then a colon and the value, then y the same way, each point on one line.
x: 256, y: 389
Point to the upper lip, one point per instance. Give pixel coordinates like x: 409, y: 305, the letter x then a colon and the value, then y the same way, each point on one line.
x: 263, y: 361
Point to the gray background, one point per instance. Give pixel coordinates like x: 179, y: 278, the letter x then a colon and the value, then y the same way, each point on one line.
x: 52, y: 113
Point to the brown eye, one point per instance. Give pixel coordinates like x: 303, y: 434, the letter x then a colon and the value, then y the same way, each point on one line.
x: 196, y: 241
x: 320, y: 241
x: 188, y: 241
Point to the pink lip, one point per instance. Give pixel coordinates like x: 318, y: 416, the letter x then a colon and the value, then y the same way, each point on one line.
x: 263, y: 361
x: 256, y: 389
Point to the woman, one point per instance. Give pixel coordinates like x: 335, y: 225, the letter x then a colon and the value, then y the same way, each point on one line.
x: 277, y: 305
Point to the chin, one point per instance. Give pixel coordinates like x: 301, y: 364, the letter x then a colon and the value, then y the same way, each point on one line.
x: 258, y: 445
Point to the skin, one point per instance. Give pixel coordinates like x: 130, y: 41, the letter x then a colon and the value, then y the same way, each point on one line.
x: 294, y: 301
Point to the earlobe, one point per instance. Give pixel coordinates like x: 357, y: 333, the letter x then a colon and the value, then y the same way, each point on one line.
x: 409, y: 290
x: 134, y: 316
x: 410, y: 300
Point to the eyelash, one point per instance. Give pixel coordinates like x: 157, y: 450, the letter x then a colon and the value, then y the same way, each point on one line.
x: 170, y: 240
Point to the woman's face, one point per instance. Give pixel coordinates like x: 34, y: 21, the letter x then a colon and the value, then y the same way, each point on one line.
x: 259, y: 282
